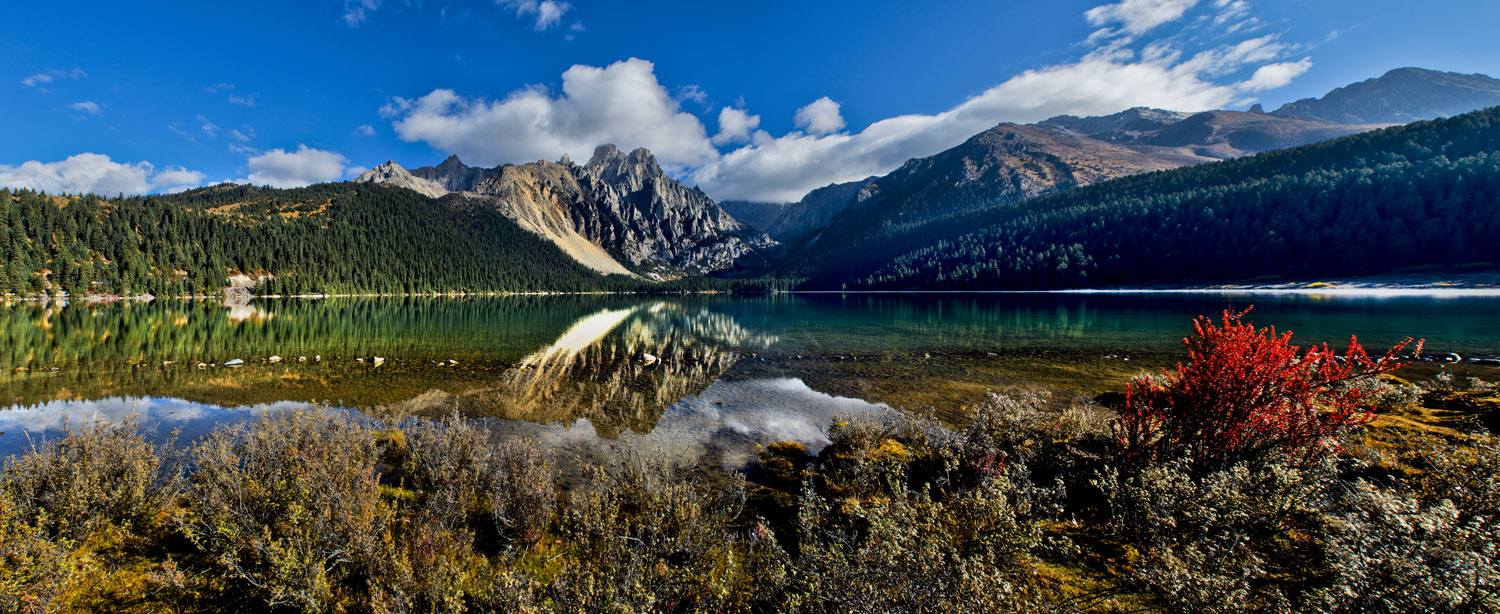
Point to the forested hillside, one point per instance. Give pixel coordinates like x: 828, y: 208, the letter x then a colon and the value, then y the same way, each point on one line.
x: 328, y: 238
x: 1417, y: 195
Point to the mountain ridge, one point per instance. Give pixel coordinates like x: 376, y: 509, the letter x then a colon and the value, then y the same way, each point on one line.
x: 1401, y: 95
x: 616, y: 212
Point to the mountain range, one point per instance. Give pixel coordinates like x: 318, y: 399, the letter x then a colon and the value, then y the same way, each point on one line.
x: 620, y: 213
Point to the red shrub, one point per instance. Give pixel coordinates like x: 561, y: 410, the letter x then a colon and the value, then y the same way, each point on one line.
x: 1245, y: 394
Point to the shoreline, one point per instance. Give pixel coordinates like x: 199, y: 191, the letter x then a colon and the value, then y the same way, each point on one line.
x: 1454, y: 285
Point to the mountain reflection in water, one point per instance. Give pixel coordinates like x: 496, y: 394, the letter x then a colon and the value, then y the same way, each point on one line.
x: 708, y: 376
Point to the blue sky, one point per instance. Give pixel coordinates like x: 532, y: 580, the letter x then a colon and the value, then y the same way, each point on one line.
x: 757, y: 101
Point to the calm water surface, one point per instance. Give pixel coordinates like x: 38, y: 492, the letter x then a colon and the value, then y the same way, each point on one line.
x: 706, y: 377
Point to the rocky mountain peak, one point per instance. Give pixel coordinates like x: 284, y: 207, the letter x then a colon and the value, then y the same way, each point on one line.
x: 393, y: 174
x: 1399, y: 96
x: 626, y: 173
x: 453, y: 174
x: 603, y: 154
x: 617, y: 206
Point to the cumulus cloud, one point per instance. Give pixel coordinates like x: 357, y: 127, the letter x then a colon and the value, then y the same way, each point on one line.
x: 736, y: 126
x: 1138, y: 16
x: 52, y: 74
x: 86, y: 106
x: 547, y: 13
x: 173, y: 179
x: 621, y: 103
x: 96, y: 173
x: 279, y: 168
x: 820, y: 117
x: 365, y: 130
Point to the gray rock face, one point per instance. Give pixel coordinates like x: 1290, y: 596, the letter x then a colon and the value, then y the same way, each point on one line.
x: 1400, y: 96
x: 622, y: 203
x: 452, y: 174
x: 391, y: 173
x: 634, y: 209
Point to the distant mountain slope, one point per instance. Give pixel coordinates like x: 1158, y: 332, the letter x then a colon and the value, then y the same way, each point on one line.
x: 1121, y: 127
x: 1169, y: 138
x: 816, y: 209
x: 1417, y: 195
x: 1399, y: 96
x: 541, y: 197
x: 618, y: 208
x: 757, y: 215
x: 1004, y: 165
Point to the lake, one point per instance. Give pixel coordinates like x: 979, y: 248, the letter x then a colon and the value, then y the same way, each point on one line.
x: 707, y: 377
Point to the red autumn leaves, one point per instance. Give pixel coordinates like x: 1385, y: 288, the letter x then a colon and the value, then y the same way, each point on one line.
x: 1246, y: 394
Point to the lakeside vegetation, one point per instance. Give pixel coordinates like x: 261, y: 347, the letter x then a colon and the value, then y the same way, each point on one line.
x: 1289, y: 499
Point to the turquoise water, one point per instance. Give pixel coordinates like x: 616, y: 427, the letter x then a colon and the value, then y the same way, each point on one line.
x: 711, y: 374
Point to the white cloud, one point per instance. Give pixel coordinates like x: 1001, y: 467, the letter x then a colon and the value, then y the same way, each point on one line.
x: 692, y: 93
x: 50, y: 75
x: 365, y: 130
x: 1138, y: 16
x: 86, y: 106
x: 735, y: 126
x: 173, y: 179
x: 243, y: 134
x: 1230, y: 58
x: 820, y: 117
x: 208, y: 128
x: 246, y: 101
x: 283, y: 169
x: 96, y: 173
x: 1105, y: 81
x: 548, y: 13
x: 355, y: 11
x: 1272, y: 76
x: 621, y: 103
x: 1231, y: 11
